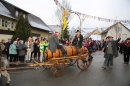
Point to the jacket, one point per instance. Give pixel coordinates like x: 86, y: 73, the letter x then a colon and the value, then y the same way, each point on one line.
x: 114, y: 48
x: 22, y: 50
x: 127, y: 47
x: 30, y: 45
x: 36, y: 48
x: 41, y: 46
x: 2, y: 48
x: 13, y: 49
x: 76, y: 42
x: 7, y: 46
x: 53, y: 42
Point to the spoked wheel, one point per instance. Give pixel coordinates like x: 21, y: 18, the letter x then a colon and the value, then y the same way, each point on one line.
x: 83, y: 62
x: 71, y: 61
x: 58, y: 68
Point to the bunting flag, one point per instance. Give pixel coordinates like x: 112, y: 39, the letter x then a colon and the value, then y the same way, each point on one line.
x: 92, y: 17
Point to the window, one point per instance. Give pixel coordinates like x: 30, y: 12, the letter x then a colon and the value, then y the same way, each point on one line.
x: 119, y: 29
x: 24, y: 15
x: 3, y: 22
x: 124, y: 35
x: 17, y: 13
x: 0, y: 22
x: 8, y: 24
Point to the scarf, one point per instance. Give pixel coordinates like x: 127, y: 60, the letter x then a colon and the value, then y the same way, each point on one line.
x: 22, y: 45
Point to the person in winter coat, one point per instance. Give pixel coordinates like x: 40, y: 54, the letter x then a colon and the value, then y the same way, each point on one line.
x: 2, y: 48
x: 36, y: 49
x: 7, y: 45
x: 110, y: 51
x: 78, y: 40
x: 22, y: 51
x: 54, y: 44
x: 126, y: 51
x: 29, y: 47
x: 86, y: 43
x: 41, y: 47
x: 13, y: 51
x: 121, y: 47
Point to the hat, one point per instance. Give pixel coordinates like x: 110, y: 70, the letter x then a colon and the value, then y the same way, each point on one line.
x: 57, y: 31
x: 110, y: 36
x: 77, y: 31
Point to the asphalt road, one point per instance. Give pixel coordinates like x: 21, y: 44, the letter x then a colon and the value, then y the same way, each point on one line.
x: 119, y: 75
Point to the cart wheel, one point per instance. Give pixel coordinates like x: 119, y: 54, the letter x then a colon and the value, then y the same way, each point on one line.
x: 71, y: 61
x: 83, y: 62
x: 58, y: 68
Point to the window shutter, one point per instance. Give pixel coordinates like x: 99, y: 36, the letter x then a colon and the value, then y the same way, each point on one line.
x: 5, y: 23
x: 12, y: 24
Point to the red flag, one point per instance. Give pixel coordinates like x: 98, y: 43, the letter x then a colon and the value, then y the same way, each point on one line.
x: 56, y: 2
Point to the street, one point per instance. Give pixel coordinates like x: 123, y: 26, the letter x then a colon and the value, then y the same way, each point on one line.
x: 119, y: 75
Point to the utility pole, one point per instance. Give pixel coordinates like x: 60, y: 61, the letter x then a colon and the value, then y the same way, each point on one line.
x: 81, y: 18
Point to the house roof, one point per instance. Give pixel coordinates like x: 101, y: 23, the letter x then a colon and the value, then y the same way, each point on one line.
x: 5, y: 12
x: 55, y: 28
x: 105, y: 31
x: 36, y: 22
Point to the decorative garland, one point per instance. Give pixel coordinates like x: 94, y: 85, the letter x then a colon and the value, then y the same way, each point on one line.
x: 90, y: 16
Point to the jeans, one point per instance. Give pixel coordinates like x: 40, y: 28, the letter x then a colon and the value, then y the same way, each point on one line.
x: 108, y: 60
x: 13, y: 57
x: 126, y: 57
x: 28, y: 56
x: 62, y: 49
x: 41, y: 56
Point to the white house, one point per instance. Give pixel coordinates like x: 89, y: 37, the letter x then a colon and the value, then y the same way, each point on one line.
x: 115, y: 30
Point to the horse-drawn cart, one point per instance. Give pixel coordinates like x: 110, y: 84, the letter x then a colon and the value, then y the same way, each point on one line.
x: 58, y: 63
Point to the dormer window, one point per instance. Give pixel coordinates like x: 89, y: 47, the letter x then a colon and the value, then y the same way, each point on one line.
x: 8, y: 24
x: 17, y: 13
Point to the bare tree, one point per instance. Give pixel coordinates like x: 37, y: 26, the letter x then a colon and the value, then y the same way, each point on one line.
x: 59, y: 12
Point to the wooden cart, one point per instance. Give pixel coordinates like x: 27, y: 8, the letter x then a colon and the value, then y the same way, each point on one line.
x: 58, y: 63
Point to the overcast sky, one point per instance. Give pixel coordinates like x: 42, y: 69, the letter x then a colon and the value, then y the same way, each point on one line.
x: 109, y: 9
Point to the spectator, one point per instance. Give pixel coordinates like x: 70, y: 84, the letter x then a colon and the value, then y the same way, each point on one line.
x: 121, y: 47
x: 3, y: 41
x: 13, y: 51
x: 46, y: 43
x: 2, y: 48
x: 29, y: 46
x: 41, y: 46
x: 86, y: 43
x: 7, y: 47
x: 126, y: 51
x: 36, y: 49
x: 22, y: 51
